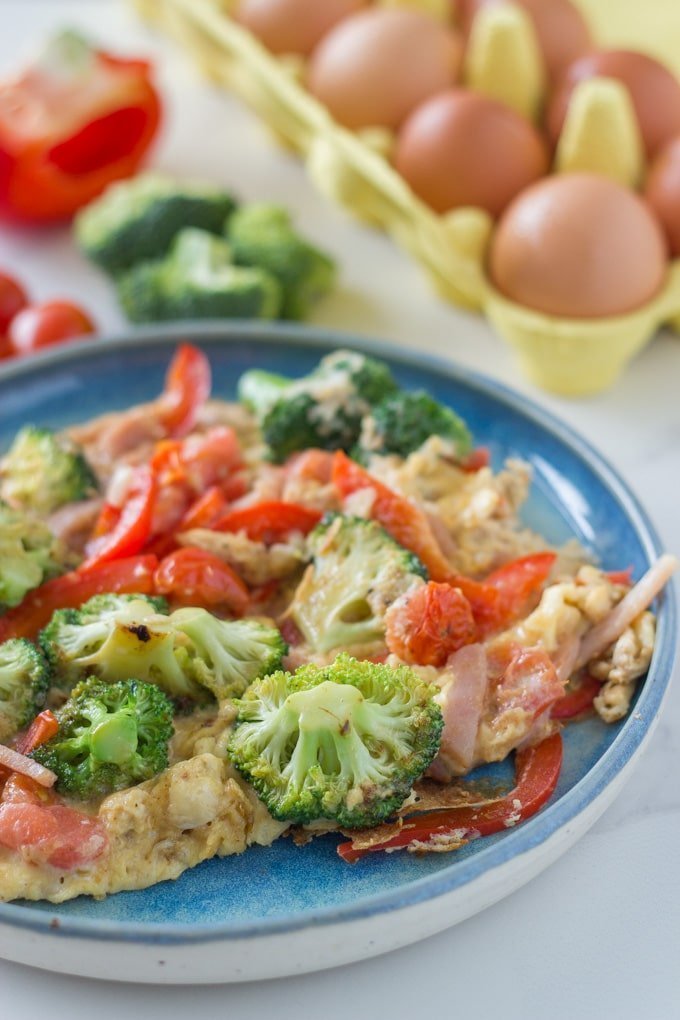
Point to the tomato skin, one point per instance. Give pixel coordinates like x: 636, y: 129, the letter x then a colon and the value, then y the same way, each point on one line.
x: 429, y: 624
x: 187, y: 387
x: 38, y: 326
x: 270, y: 521
x: 577, y: 700
x: 43, y: 728
x: 537, y: 770
x: 51, y: 833
x: 198, y: 578
x: 13, y: 298
x: 206, y: 510
x: 133, y: 527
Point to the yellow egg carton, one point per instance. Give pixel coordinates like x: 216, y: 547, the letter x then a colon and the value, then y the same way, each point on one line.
x: 574, y: 357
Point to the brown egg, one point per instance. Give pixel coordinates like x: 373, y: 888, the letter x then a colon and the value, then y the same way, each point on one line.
x: 375, y: 67
x: 653, y: 89
x: 562, y: 31
x: 578, y: 246
x: 461, y: 148
x: 662, y: 191
x: 293, y: 26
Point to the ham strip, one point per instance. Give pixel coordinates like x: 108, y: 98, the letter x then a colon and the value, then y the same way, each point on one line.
x: 26, y: 766
x: 462, y: 702
x: 608, y: 630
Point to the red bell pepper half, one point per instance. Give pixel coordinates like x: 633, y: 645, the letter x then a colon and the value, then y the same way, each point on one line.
x: 72, y: 122
x: 537, y: 771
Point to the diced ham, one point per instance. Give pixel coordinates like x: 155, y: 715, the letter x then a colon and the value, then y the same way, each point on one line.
x: 462, y: 701
x: 608, y: 630
x: 530, y: 682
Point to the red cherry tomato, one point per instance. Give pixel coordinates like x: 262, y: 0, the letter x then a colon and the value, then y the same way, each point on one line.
x: 6, y: 349
x: 198, y: 578
x: 41, y: 325
x: 13, y: 298
x: 429, y: 624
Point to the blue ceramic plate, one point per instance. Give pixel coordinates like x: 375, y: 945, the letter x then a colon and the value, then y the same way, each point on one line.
x: 282, y: 909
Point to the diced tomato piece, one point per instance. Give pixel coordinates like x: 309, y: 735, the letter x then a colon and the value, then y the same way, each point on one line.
x: 620, y: 576
x: 529, y: 682
x: 537, y: 770
x: 428, y: 624
x: 71, y: 590
x: 312, y: 464
x: 187, y: 387
x: 21, y: 789
x: 270, y: 522
x: 132, y: 529
x: 478, y: 459
x: 53, y: 833
x: 43, y: 728
x: 577, y: 699
x: 199, y: 578
x: 206, y: 510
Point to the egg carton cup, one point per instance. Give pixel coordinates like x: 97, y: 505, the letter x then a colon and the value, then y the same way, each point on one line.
x: 574, y: 357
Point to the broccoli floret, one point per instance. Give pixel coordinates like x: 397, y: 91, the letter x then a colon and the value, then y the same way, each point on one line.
x: 137, y: 220
x: 190, y: 653
x: 29, y: 555
x: 324, y: 409
x: 401, y: 424
x: 42, y: 471
x: 358, y: 570
x: 343, y: 742
x: 24, y: 681
x: 111, y: 736
x: 197, y: 280
x: 262, y: 236
x: 227, y: 655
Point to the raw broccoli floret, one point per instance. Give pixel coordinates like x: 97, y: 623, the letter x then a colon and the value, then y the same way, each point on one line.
x: 24, y: 681
x: 137, y: 220
x: 29, y: 555
x: 227, y: 655
x: 324, y: 409
x: 401, y: 424
x: 358, y: 570
x: 111, y: 736
x: 344, y: 742
x: 262, y: 235
x: 42, y: 471
x: 197, y: 280
x: 190, y: 653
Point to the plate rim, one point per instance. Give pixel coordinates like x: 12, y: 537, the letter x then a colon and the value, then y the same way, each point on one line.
x: 527, y: 836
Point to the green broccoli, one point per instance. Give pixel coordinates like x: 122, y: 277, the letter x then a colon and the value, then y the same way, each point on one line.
x: 344, y: 742
x: 197, y: 280
x: 137, y: 220
x: 358, y: 570
x: 262, y: 236
x: 29, y: 555
x: 323, y: 409
x: 42, y: 471
x: 190, y: 653
x: 111, y: 736
x: 403, y: 421
x: 24, y: 682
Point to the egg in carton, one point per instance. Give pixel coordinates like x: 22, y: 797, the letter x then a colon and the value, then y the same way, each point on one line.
x: 600, y: 135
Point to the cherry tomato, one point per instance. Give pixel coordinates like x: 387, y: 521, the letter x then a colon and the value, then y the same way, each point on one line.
x: 429, y: 624
x: 13, y: 298
x: 199, y: 578
x: 39, y: 326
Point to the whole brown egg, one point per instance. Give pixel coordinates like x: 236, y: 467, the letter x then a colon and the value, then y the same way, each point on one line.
x: 662, y: 191
x: 378, y: 65
x: 578, y: 246
x: 654, y: 92
x: 293, y: 26
x: 463, y: 149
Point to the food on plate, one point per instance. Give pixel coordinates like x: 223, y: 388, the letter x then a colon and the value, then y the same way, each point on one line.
x: 293, y: 26
x: 138, y: 219
x: 228, y: 639
x: 376, y: 66
x: 561, y: 29
x: 460, y: 148
x: 42, y: 471
x: 662, y: 191
x: 654, y: 91
x: 578, y: 246
x: 73, y: 120
x: 178, y: 251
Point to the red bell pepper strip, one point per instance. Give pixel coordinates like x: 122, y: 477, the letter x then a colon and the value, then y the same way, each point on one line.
x: 577, y: 700
x: 43, y: 728
x: 195, y: 577
x: 270, y: 522
x: 131, y: 531
x: 72, y: 122
x: 537, y: 770
x: 206, y: 511
x: 187, y: 387
x: 70, y: 591
x: 479, y: 458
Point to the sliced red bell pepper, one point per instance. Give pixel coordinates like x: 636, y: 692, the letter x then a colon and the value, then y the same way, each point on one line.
x: 132, y: 529
x: 479, y: 458
x: 70, y: 591
x: 537, y: 770
x: 271, y: 521
x: 72, y: 122
x: 578, y: 699
x: 206, y: 511
x: 199, y: 578
x: 43, y: 728
x: 187, y: 387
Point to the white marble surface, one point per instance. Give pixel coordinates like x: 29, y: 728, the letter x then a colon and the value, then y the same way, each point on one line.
x: 598, y: 934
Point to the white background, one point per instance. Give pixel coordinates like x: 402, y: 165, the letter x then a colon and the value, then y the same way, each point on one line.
x: 598, y: 934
